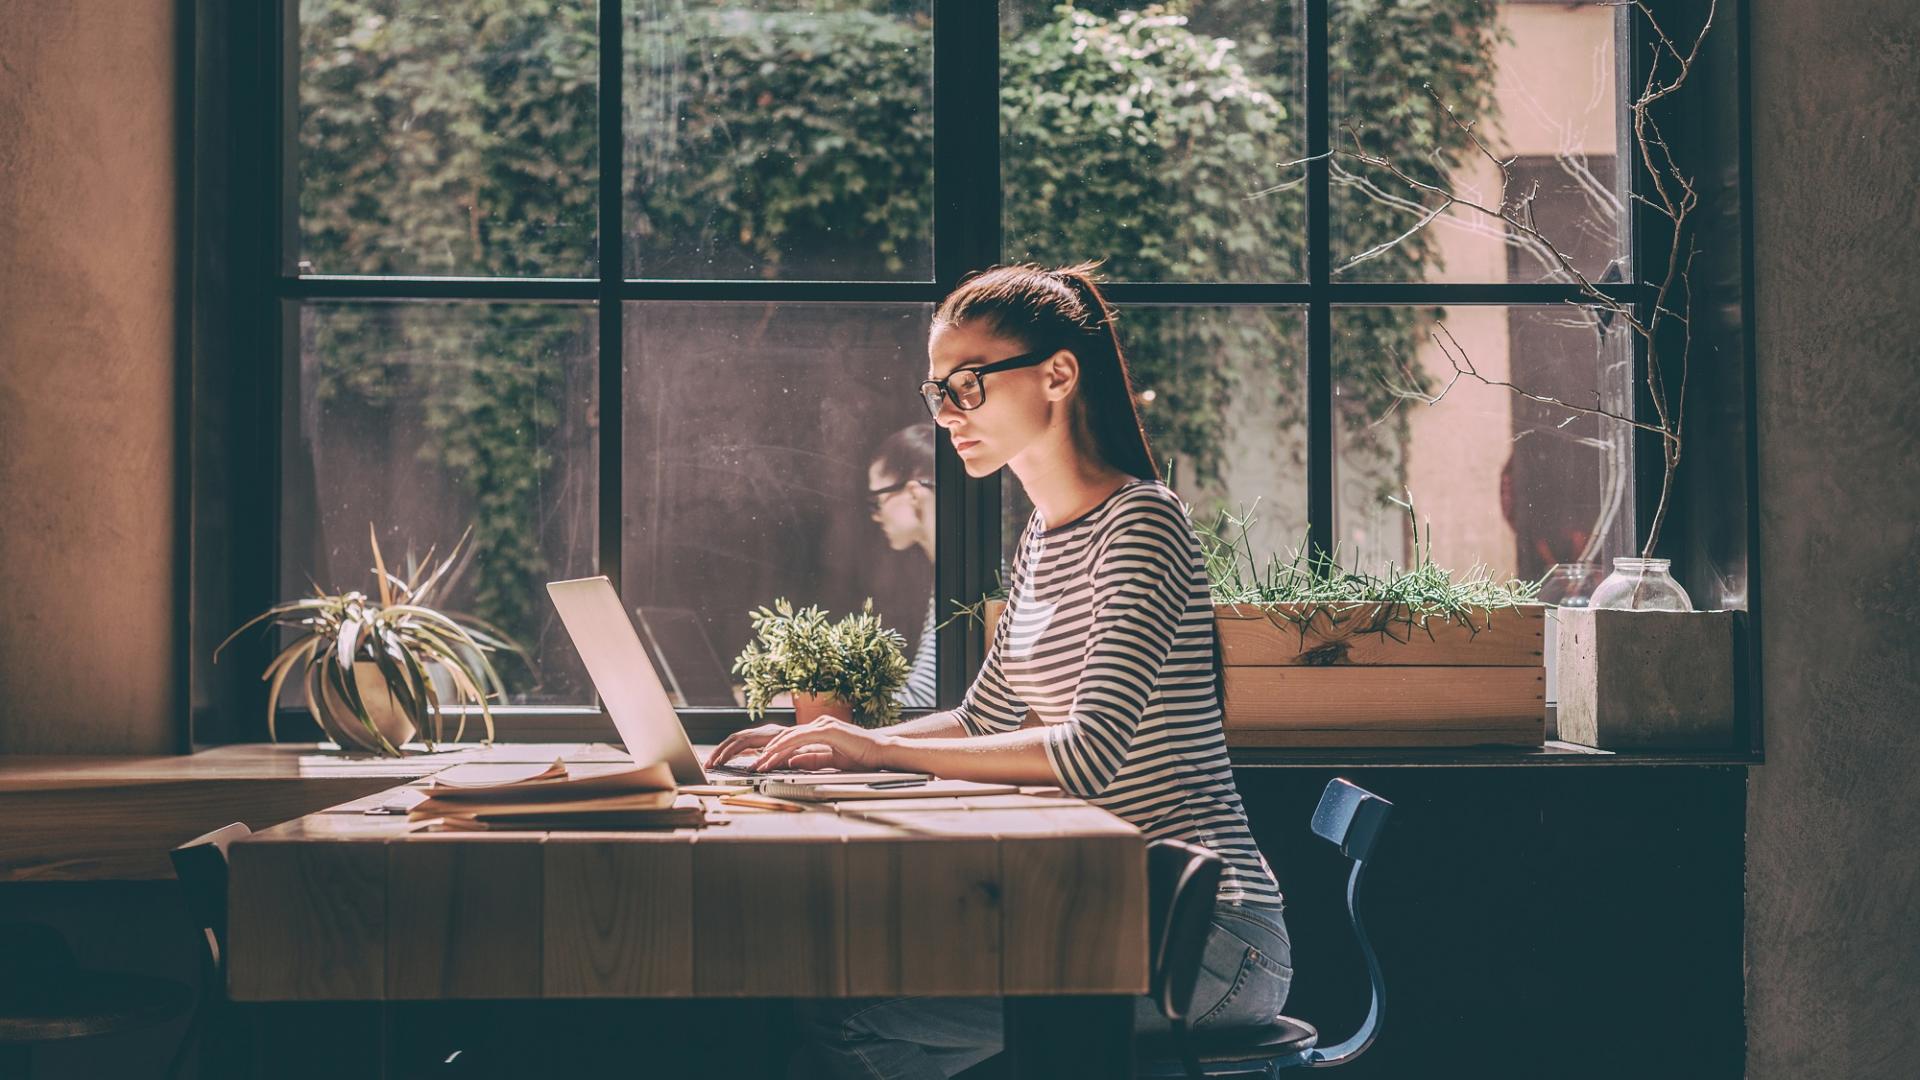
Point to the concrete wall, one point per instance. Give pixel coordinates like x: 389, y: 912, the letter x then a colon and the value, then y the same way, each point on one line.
x: 1833, y: 871
x: 86, y: 376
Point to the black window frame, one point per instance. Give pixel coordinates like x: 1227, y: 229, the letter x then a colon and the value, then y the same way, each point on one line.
x: 241, y: 298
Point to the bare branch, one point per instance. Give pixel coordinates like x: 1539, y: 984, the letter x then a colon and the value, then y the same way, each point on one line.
x: 1388, y: 245
x: 1463, y: 365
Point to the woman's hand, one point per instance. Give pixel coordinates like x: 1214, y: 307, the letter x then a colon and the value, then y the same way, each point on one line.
x: 742, y: 741
x: 826, y: 743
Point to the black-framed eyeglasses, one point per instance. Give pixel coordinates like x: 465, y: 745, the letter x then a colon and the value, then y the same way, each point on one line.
x: 878, y: 496
x: 963, y: 387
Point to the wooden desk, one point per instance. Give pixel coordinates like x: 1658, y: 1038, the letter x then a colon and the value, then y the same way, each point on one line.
x: 115, y: 818
x: 1043, y: 900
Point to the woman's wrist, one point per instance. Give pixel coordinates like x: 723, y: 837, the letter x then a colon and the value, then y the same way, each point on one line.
x: 889, y: 749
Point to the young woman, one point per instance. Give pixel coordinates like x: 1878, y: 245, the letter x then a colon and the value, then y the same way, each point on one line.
x: 1100, y: 678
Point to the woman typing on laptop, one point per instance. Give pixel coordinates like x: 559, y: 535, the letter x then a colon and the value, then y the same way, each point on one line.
x: 1107, y: 638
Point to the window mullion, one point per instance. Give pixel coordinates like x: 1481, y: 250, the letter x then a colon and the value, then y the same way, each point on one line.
x: 966, y: 237
x: 612, y: 268
x: 1320, y: 433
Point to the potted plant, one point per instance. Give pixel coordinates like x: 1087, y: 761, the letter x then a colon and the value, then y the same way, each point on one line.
x: 851, y: 669
x: 378, y: 669
x: 1315, y: 654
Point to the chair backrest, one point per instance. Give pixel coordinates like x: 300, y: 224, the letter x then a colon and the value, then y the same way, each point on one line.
x: 201, y: 866
x: 1351, y: 817
x: 1183, y: 881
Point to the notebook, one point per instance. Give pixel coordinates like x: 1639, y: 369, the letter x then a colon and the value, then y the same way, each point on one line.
x: 924, y: 789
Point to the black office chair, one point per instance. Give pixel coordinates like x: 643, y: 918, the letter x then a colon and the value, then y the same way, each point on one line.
x: 46, y: 997
x: 201, y: 866
x: 1182, y: 883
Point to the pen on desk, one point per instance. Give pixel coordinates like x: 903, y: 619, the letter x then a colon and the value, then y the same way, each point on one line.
x: 877, y: 784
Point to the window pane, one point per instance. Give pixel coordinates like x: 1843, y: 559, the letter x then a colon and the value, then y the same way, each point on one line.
x: 1502, y: 480
x: 450, y: 138
x: 780, y: 139
x: 427, y: 420
x: 1222, y: 393
x: 1537, y: 81
x: 1150, y: 138
x: 751, y: 434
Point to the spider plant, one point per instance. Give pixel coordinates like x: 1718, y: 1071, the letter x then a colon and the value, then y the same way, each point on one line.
x: 395, y: 630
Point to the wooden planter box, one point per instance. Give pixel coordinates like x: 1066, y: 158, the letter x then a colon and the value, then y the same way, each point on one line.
x: 1360, y: 678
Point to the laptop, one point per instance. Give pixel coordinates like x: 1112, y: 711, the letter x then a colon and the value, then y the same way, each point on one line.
x: 636, y: 699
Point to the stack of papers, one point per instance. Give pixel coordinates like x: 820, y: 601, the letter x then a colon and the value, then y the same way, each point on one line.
x: 552, y: 797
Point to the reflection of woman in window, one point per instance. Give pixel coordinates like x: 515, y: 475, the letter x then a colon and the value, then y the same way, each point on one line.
x: 1100, y: 678
x: 900, y: 483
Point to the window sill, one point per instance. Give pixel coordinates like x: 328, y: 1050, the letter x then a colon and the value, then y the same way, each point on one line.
x: 1554, y: 753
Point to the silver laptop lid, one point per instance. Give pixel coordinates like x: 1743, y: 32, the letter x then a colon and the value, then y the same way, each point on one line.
x: 622, y: 672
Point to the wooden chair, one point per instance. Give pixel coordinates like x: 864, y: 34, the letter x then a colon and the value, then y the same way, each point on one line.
x: 1182, y: 883
x: 45, y: 997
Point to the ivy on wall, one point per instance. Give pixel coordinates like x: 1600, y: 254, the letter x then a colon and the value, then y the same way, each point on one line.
x: 794, y: 140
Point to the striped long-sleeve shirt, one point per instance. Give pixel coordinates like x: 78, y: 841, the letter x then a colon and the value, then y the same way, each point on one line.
x: 1108, y: 638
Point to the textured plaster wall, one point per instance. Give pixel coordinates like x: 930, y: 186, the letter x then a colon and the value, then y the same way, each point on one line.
x: 86, y: 375
x: 1833, y: 907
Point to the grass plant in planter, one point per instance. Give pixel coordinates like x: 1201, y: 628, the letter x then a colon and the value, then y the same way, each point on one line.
x: 379, y: 669
x: 850, y: 669
x: 1318, y: 655
x: 1315, y: 654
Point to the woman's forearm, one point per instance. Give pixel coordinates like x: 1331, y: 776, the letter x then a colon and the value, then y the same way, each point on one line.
x: 1006, y: 757
x: 939, y: 725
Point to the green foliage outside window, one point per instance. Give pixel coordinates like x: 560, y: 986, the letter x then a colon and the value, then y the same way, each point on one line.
x: 797, y: 143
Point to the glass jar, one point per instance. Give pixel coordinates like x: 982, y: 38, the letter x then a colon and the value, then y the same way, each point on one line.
x: 1570, y: 584
x: 1641, y: 585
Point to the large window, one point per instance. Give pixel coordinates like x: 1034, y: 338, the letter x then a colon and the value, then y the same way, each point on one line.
x: 641, y: 287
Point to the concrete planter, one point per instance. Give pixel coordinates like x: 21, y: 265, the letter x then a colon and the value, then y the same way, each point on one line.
x: 337, y: 719
x: 1646, y: 680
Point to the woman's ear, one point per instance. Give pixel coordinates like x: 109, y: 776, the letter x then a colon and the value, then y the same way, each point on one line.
x: 1061, y: 375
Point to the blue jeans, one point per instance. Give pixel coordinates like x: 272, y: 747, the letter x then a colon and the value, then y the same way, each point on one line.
x: 1245, y: 970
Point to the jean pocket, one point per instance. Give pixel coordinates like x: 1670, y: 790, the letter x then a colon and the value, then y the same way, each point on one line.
x: 1267, y: 937
x: 1251, y: 994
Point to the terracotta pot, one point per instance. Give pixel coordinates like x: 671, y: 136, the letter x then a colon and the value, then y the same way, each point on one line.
x: 810, y: 707
x: 338, y: 721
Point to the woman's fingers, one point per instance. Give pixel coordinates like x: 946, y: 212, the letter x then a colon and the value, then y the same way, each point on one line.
x: 790, y: 741
x: 742, y: 741
x: 722, y: 752
x: 781, y: 748
x: 814, y: 757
